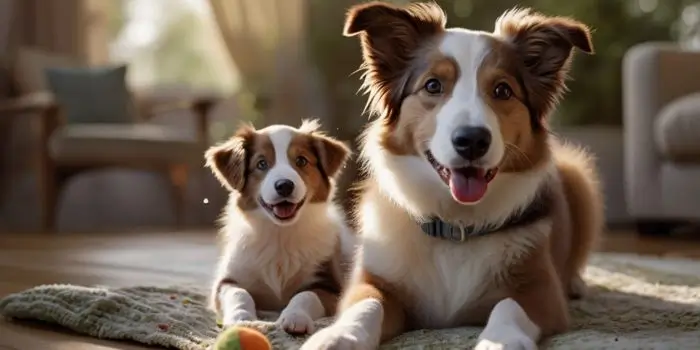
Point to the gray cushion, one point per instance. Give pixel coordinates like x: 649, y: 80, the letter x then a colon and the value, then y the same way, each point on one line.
x: 92, y: 95
x: 677, y: 129
x: 125, y: 143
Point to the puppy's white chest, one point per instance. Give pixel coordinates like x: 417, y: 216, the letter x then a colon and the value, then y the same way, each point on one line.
x: 282, y: 271
x: 280, y: 265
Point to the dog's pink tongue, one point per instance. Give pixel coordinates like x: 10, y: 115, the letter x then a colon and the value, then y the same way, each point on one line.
x: 284, y: 211
x: 466, y: 188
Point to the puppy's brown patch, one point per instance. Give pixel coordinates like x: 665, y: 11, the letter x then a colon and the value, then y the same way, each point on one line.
x: 260, y: 149
x: 234, y: 163
x: 317, y: 184
x: 326, y: 156
x: 227, y: 161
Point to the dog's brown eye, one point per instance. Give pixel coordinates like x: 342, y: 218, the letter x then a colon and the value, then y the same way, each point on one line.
x: 433, y: 86
x: 502, y: 91
x: 301, y: 161
x: 262, y: 164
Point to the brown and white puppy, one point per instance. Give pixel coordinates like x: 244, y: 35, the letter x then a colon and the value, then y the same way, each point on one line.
x: 472, y: 214
x: 285, y: 238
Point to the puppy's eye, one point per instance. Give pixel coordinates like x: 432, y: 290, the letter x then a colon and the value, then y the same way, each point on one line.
x: 302, y: 161
x: 502, y: 92
x: 262, y: 164
x: 433, y: 86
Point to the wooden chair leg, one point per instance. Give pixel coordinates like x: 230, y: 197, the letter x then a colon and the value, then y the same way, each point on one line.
x: 179, y: 176
x: 47, y: 175
x: 48, y: 195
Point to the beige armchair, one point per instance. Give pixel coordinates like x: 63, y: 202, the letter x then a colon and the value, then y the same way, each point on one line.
x: 661, y: 101
x: 69, y: 149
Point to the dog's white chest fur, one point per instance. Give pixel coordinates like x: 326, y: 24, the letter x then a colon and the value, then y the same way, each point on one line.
x: 443, y: 279
x: 458, y: 270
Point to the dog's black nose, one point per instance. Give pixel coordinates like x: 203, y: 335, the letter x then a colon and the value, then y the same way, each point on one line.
x: 284, y: 187
x: 471, y: 142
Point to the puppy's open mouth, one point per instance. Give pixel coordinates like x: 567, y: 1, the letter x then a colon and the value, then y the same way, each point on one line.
x: 468, y: 184
x: 284, y: 210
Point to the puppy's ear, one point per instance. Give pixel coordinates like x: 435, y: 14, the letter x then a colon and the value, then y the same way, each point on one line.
x: 545, y: 46
x: 228, y: 160
x: 332, y: 154
x: 390, y: 35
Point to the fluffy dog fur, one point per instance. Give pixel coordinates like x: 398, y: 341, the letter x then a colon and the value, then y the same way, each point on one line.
x: 515, y: 281
x: 291, y: 263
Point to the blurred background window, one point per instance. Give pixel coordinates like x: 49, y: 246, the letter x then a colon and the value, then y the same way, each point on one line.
x: 169, y: 42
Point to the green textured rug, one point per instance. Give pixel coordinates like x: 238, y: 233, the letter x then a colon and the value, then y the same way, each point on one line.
x: 635, y: 303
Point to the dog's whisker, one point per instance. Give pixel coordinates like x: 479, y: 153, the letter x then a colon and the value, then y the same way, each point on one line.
x: 518, y: 152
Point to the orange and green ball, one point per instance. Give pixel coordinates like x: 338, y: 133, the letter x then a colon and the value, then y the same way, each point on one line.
x: 242, y: 338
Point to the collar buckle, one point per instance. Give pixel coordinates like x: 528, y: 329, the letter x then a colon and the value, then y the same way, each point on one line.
x: 462, y: 236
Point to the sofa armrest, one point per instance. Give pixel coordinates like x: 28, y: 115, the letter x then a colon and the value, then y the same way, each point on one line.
x: 31, y: 103
x: 654, y: 74
x: 41, y: 105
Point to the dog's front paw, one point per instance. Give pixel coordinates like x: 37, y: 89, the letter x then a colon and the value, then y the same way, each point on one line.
x: 512, y: 341
x: 238, y: 316
x: 296, y: 322
x: 336, y: 338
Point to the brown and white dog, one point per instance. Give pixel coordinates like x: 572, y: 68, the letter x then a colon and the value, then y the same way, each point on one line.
x: 285, y: 238
x: 471, y: 213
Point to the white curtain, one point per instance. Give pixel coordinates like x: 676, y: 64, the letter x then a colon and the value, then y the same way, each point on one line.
x: 265, y: 39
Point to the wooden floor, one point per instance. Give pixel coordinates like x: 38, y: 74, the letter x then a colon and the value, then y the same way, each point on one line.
x: 106, y: 259
x: 160, y: 258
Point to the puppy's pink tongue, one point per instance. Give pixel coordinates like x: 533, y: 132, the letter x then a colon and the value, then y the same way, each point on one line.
x: 467, y: 189
x: 285, y: 210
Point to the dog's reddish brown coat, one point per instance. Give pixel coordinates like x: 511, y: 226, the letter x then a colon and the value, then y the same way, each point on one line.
x: 532, y: 53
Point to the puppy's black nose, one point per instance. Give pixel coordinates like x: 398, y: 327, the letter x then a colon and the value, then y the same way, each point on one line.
x: 471, y: 142
x: 284, y: 187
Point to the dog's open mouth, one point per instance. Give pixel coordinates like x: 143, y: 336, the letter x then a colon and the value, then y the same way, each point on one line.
x: 468, y: 184
x: 284, y: 210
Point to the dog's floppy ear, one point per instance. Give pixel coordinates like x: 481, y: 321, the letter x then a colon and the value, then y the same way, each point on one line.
x: 545, y: 46
x: 228, y: 160
x: 332, y: 154
x: 380, y: 19
x: 390, y: 35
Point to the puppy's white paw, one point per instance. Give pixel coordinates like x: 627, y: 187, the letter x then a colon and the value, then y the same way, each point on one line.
x: 513, y: 341
x: 296, y: 322
x: 336, y: 338
x: 238, y: 316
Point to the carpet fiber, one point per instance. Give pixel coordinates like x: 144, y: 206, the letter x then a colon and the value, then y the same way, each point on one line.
x: 631, y: 305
